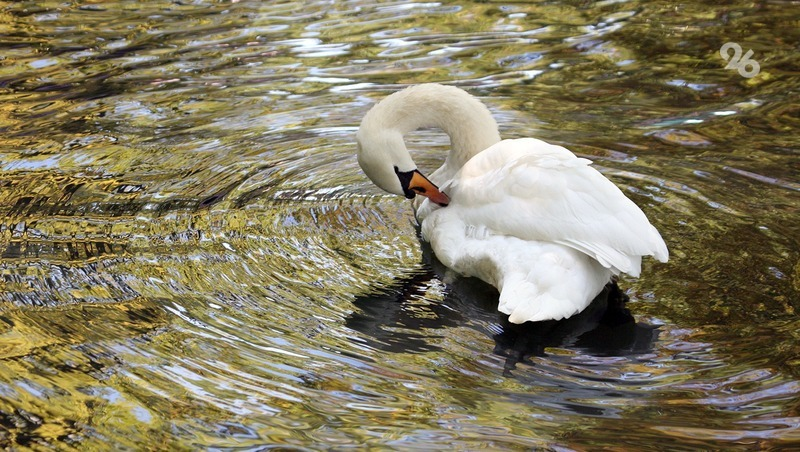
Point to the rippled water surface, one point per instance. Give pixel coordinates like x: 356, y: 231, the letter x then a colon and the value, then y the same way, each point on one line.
x: 191, y: 257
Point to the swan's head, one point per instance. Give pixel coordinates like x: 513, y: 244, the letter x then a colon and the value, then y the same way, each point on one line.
x: 383, y: 157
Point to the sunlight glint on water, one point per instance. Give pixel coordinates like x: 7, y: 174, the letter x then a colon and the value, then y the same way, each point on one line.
x: 190, y: 256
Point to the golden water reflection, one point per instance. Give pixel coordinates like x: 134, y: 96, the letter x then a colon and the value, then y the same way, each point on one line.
x: 191, y: 258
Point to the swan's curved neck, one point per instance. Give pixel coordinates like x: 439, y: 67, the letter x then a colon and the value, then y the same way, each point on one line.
x: 466, y: 120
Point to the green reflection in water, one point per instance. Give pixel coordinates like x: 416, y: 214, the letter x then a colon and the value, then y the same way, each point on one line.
x: 185, y: 231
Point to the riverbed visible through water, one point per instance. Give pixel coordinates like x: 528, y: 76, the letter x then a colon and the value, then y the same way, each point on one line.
x: 191, y: 258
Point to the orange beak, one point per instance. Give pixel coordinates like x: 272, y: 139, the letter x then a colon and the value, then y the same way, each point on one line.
x: 422, y: 186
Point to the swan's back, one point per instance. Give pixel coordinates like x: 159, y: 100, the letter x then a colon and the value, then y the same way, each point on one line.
x: 532, y: 190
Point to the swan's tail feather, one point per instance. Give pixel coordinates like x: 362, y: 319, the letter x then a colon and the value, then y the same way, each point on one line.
x: 554, y: 293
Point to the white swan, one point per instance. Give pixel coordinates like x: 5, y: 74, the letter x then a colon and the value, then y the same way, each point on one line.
x: 531, y: 218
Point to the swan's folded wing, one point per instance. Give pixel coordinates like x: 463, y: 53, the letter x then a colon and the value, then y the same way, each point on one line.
x: 532, y: 190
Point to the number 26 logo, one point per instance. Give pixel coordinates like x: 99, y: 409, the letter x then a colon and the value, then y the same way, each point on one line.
x: 739, y: 62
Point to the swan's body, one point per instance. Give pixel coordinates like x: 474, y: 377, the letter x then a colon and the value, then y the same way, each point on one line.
x: 532, y: 219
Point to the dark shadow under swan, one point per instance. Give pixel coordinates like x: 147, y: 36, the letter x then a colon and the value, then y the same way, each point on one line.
x: 398, y: 319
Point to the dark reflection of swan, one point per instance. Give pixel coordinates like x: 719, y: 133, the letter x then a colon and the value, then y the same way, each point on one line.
x: 396, y: 318
x: 392, y: 322
x: 605, y: 328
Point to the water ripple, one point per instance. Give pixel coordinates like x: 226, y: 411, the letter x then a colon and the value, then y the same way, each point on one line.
x: 191, y: 257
